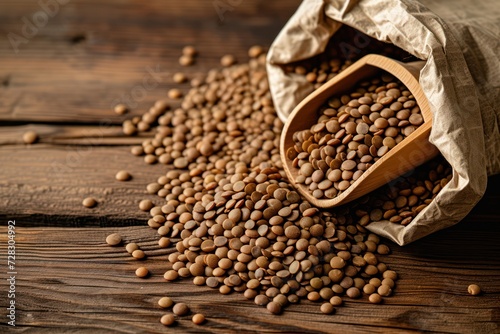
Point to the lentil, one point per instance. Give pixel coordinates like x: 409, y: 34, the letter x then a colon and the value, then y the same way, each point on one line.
x: 167, y: 320
x: 189, y: 51
x: 114, y: 239
x: 165, y: 302
x: 274, y: 308
x: 327, y: 308
x: 142, y: 272
x: 123, y: 176
x: 375, y: 298
x: 198, y: 319
x: 255, y: 51
x: 227, y: 60
x: 174, y: 93
x: 120, y: 109
x: 138, y: 254
x: 146, y: 205
x: 474, y: 289
x: 131, y: 247
x: 89, y: 202
x: 30, y: 137
x: 180, y: 309
x: 186, y: 60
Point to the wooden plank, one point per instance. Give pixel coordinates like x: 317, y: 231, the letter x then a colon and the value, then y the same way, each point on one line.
x: 84, y: 60
x: 46, y: 184
x: 85, y: 135
x: 69, y: 278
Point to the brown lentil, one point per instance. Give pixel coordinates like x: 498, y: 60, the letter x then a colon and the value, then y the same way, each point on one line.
x: 179, y: 77
x: 146, y: 205
x: 120, y: 109
x: 228, y: 60
x: 189, y: 51
x: 375, y: 298
x: 164, y: 242
x: 131, y: 247
x: 114, y: 239
x: 180, y: 309
x: 89, y: 202
x: 142, y: 272
x: 274, y: 308
x: 138, y: 254
x: 198, y: 319
x: 123, y: 176
x: 167, y: 320
x: 327, y: 308
x: 474, y: 289
x: 255, y: 51
x: 186, y: 60
x: 30, y: 137
x: 174, y: 93
x: 165, y: 302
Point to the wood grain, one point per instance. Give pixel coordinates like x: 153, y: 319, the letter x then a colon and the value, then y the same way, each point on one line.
x: 93, y: 54
x: 46, y: 183
x: 69, y: 278
x: 63, y: 83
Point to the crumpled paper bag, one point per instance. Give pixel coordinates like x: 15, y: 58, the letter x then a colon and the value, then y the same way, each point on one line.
x: 460, y: 41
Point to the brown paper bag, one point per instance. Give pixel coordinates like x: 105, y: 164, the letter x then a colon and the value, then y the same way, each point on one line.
x: 460, y: 41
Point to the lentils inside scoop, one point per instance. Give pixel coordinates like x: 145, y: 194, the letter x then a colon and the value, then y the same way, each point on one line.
x: 235, y: 221
x: 353, y: 131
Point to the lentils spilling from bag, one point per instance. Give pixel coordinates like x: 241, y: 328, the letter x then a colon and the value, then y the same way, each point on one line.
x: 235, y: 221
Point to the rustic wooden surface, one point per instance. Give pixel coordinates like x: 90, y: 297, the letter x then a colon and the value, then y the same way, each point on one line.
x: 62, y: 84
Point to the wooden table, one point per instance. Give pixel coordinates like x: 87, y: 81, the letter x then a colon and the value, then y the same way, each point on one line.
x: 62, y: 79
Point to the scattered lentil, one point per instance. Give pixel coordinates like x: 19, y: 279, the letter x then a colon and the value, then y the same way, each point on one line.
x: 120, y: 109
x: 327, y: 308
x: 131, y: 247
x: 142, y: 272
x: 165, y: 302
x: 138, y: 254
x: 89, y: 202
x: 189, y: 51
x: 274, y: 308
x: 30, y: 137
x: 180, y: 309
x: 186, y: 60
x: 114, y: 239
x: 228, y: 60
x: 179, y: 77
x: 123, y: 176
x: 474, y: 289
x: 255, y: 51
x: 198, y: 319
x: 146, y: 205
x: 375, y: 298
x: 174, y: 93
x: 167, y: 319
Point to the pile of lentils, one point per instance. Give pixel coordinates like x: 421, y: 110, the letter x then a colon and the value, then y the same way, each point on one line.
x: 234, y: 219
x: 352, y: 132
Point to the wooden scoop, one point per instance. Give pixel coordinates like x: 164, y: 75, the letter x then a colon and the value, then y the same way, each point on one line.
x: 405, y: 156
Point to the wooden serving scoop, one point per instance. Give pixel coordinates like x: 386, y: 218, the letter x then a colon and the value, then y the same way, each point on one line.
x: 405, y: 156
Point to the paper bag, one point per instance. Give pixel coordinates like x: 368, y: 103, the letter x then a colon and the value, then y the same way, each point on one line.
x: 460, y: 42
